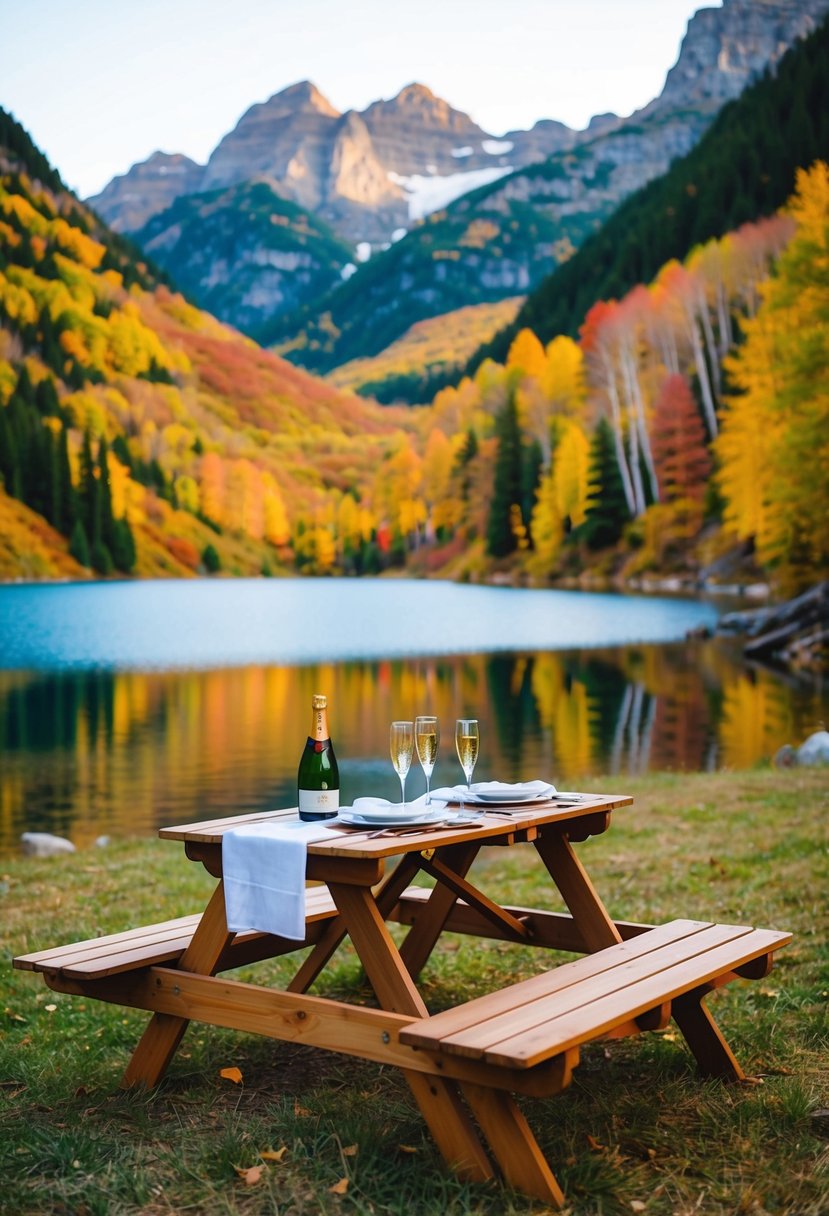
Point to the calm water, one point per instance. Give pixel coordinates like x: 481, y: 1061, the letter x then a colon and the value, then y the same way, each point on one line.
x: 127, y: 706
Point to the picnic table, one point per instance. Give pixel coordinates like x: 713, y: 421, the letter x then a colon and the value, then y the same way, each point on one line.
x: 465, y: 1064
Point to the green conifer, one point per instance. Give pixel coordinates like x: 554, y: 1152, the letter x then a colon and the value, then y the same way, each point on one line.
x: 78, y: 544
x: 500, y: 536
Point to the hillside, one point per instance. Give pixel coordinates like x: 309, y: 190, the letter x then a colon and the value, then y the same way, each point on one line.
x: 150, y: 437
x: 431, y: 349
x: 244, y: 251
x: 742, y: 168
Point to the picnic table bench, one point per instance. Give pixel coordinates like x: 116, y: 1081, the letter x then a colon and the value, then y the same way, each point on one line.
x: 524, y: 1038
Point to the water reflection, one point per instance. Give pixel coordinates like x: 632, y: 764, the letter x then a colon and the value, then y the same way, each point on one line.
x: 84, y: 754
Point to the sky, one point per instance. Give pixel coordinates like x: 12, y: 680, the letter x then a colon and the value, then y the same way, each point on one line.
x: 100, y: 84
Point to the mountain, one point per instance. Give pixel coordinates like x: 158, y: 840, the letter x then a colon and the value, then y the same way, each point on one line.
x: 744, y: 167
x: 505, y: 237
x: 128, y: 201
x: 365, y: 173
x: 482, y: 218
x: 138, y: 433
x: 243, y: 251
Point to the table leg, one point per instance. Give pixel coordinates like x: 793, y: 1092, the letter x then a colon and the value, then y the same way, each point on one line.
x: 388, y: 895
x: 423, y: 935
x: 437, y: 1098
x: 513, y: 1144
x: 589, y: 913
x: 164, y: 1032
x: 704, y: 1037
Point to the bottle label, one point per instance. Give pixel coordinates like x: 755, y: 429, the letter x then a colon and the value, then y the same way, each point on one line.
x: 319, y: 800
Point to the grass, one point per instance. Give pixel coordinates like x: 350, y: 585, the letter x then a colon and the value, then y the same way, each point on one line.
x: 636, y: 1132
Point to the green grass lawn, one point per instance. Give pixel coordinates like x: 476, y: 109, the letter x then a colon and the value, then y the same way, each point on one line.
x: 637, y: 1131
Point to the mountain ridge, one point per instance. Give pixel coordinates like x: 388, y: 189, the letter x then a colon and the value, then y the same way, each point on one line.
x: 397, y: 169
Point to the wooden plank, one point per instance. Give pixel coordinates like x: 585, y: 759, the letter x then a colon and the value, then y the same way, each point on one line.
x: 568, y: 1029
x: 513, y: 1144
x: 506, y: 1000
x: 148, y: 944
x: 617, y: 980
x: 492, y: 912
x: 53, y: 958
x: 212, y: 830
x: 553, y: 930
x: 578, y: 892
x: 371, y: 1034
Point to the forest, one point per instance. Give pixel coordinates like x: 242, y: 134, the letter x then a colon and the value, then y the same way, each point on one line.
x: 683, y: 419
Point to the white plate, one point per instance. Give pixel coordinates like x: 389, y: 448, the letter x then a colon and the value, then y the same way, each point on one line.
x: 387, y: 817
x: 494, y: 793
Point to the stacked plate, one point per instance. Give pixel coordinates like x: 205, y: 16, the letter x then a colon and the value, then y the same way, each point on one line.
x: 499, y: 793
x: 374, y: 813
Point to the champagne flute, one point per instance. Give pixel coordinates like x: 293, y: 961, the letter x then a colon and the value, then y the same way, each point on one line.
x: 401, y: 745
x: 427, y: 740
x: 466, y: 743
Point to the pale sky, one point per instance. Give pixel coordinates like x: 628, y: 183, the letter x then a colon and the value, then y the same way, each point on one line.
x: 100, y: 84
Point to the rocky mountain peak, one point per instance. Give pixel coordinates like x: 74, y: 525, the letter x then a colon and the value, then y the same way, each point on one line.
x: 295, y: 99
x: 725, y: 48
x: 418, y: 104
x: 149, y: 186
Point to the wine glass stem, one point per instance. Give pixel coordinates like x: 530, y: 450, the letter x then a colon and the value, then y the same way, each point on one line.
x: 403, y: 788
x: 428, y: 793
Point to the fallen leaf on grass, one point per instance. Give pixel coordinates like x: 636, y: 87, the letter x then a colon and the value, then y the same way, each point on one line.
x: 251, y: 1175
x: 350, y: 1151
x: 50, y: 1008
x: 636, y: 1205
x: 594, y: 1145
x: 407, y: 1148
x: 270, y: 1154
x: 231, y: 1074
x: 15, y: 1017
x: 339, y: 1188
x: 300, y: 1111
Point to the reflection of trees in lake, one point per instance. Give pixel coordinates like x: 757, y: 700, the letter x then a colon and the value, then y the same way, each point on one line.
x: 93, y: 752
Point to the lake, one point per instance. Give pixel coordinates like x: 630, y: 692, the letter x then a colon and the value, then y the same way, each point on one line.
x: 125, y: 706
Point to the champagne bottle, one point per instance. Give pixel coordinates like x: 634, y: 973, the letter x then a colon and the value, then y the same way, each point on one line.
x: 318, y: 779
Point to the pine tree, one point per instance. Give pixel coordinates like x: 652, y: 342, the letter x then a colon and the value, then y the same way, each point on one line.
x: 68, y: 504
x: 78, y: 544
x: 500, y: 536
x: 89, y: 502
x: 9, y: 466
x: 105, y: 494
x: 607, y: 510
x: 210, y: 559
x: 123, y: 546
x: 46, y: 397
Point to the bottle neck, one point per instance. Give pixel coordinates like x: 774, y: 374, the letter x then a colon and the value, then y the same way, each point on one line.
x: 319, y: 725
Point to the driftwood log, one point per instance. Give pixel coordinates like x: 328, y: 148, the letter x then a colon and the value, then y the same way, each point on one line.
x: 795, y: 633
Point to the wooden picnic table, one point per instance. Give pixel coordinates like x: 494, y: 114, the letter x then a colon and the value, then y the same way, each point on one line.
x: 464, y: 1064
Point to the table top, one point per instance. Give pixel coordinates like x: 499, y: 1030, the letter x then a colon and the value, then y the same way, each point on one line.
x: 346, y: 841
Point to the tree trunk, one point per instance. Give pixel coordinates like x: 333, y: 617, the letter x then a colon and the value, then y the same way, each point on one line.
x: 618, y: 439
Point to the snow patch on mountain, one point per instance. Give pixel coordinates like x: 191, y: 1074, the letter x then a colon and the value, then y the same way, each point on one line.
x: 497, y: 147
x: 428, y: 194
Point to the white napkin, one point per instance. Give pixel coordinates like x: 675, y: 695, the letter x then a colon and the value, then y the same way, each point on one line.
x: 263, y: 865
